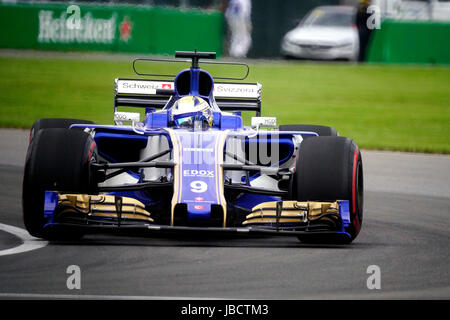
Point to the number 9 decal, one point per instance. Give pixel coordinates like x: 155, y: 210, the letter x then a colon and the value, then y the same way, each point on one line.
x: 198, y: 186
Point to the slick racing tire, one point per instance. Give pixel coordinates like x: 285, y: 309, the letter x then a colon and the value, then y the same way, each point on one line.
x: 330, y: 169
x: 48, y: 123
x: 57, y: 159
x: 320, y: 130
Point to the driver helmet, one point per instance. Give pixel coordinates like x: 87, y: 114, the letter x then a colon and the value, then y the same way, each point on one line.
x: 189, y: 109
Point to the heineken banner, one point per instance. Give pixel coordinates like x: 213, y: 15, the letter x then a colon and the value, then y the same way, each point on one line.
x: 151, y: 30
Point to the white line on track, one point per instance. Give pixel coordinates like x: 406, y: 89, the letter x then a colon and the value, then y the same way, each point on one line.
x: 44, y: 296
x: 427, y: 294
x: 29, y: 242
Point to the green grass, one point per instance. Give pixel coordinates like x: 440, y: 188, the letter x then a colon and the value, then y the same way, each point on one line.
x: 404, y: 108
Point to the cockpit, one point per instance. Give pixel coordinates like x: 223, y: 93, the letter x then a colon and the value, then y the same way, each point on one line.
x: 192, y: 94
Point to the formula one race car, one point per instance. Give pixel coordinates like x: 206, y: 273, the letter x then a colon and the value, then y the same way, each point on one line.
x: 191, y: 166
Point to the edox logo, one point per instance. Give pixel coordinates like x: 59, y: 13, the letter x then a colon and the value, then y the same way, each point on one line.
x: 198, y: 173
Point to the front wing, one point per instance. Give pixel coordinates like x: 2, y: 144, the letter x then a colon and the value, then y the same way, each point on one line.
x: 108, y: 213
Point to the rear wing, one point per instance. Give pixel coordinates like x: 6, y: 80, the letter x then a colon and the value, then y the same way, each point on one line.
x: 156, y: 94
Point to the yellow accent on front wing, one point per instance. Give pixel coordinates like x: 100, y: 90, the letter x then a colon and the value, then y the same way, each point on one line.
x: 104, y: 206
x: 291, y: 211
x: 270, y: 220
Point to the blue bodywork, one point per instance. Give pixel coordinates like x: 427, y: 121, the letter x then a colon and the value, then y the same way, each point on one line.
x: 157, y: 122
x: 199, y: 185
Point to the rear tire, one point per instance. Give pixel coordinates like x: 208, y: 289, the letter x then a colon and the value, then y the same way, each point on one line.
x: 57, y: 159
x: 320, y: 130
x: 330, y: 169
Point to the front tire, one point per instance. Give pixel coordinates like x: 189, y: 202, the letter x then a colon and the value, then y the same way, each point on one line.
x: 330, y: 169
x: 57, y: 159
x: 47, y: 123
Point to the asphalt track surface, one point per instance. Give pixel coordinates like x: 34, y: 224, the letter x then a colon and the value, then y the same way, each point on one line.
x: 405, y: 233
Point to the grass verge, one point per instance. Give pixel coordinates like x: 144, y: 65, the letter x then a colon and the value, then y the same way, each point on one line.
x: 405, y: 108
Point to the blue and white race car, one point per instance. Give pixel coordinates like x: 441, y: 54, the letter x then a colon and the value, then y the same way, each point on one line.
x: 190, y: 165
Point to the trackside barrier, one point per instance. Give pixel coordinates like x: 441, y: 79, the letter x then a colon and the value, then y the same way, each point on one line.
x: 118, y: 28
x: 410, y: 42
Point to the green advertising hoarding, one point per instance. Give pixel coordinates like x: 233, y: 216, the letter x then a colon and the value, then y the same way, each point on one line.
x: 410, y: 42
x: 151, y: 30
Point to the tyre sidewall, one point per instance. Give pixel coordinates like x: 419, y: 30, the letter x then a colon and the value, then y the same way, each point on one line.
x: 327, y: 169
x: 57, y: 159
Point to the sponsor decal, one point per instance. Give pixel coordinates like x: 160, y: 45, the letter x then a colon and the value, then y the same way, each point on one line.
x: 196, y: 201
x: 229, y: 89
x: 127, y: 116
x: 199, y: 207
x: 198, y: 173
x: 264, y: 122
x: 140, y: 86
x: 236, y: 90
x: 125, y: 28
x: 89, y: 29
x: 198, y: 149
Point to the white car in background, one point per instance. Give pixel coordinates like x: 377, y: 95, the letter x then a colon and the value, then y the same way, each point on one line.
x: 325, y: 33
